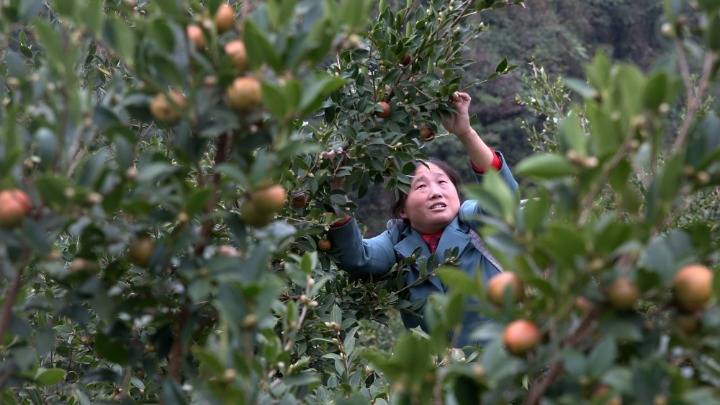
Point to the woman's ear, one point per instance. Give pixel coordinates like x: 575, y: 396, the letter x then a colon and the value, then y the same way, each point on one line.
x: 402, y: 214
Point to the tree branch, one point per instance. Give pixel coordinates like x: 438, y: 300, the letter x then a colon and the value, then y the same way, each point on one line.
x: 537, y: 390
x: 695, y: 98
x: 8, y: 302
x: 175, y: 356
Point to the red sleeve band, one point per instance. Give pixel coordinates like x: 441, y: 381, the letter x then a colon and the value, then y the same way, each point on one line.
x: 495, y: 164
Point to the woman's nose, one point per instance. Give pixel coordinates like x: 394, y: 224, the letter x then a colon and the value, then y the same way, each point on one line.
x: 435, y: 191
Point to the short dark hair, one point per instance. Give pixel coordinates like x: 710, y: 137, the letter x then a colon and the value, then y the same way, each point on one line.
x: 401, y: 196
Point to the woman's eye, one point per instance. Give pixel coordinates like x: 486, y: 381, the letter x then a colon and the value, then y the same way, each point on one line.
x: 419, y: 186
x: 443, y: 181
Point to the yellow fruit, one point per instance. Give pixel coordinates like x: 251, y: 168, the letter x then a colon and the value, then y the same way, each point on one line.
x: 498, y: 284
x: 324, y: 245
x: 623, y: 293
x: 253, y: 216
x: 237, y: 53
x: 83, y: 265
x: 385, y: 109
x: 196, y: 36
x: 693, y: 287
x: 427, y: 134
x: 168, y: 108
x: 521, y: 336
x: 224, y: 18
x: 270, y: 199
x: 15, y: 205
x: 141, y: 250
x: 244, y: 93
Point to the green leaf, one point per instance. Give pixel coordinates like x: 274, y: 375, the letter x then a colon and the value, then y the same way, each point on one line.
x: 581, y: 87
x: 712, y: 33
x: 50, y: 376
x: 604, y: 132
x: 709, y: 6
x: 52, y: 45
x: 259, y: 48
x: 153, y: 171
x: 121, y: 38
x: 319, y: 89
x: 336, y: 314
x: 545, y: 166
x: 598, y: 71
x: 655, y: 91
x: 308, y: 262
x: 274, y: 100
x: 534, y: 211
x: 111, y: 348
x: 602, y: 357
x: 494, y: 185
x: 502, y: 66
x: 92, y: 16
x: 457, y: 280
x: 572, y: 136
x: 303, y: 378
x: 197, y: 201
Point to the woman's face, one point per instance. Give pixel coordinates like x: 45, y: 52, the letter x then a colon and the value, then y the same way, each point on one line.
x: 433, y: 200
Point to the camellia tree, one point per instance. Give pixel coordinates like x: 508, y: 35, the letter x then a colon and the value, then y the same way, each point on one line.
x: 168, y: 171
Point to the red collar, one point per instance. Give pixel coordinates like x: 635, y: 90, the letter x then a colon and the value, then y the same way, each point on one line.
x: 432, y: 239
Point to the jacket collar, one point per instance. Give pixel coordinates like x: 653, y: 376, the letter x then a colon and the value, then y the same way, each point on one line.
x: 454, y: 236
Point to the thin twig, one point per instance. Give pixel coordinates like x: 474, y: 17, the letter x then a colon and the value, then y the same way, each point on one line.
x: 587, y: 202
x: 695, y: 100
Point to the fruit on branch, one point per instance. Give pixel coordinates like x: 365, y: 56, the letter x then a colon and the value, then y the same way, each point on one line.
x: 583, y: 305
x: 237, y: 53
x: 228, y: 251
x: 244, y: 94
x: 385, y: 109
x: 140, y: 251
x: 500, y: 283
x: 254, y: 216
x: 623, y: 294
x: 168, y: 108
x: 693, y: 287
x: 224, y: 18
x: 15, y: 205
x: 521, y: 336
x: 196, y: 36
x: 300, y: 200
x: 80, y: 264
x: 406, y: 59
x: 324, y: 245
x: 269, y: 199
x: 337, y: 183
x: 426, y: 134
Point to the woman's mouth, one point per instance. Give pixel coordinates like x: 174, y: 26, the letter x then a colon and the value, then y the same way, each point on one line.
x: 438, y: 206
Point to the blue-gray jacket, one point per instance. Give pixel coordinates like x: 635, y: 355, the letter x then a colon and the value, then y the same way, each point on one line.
x: 377, y: 255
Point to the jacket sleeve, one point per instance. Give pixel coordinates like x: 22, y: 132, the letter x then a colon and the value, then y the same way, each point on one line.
x: 362, y: 256
x: 505, y: 174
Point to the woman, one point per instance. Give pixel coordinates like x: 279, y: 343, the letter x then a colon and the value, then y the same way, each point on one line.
x: 431, y: 222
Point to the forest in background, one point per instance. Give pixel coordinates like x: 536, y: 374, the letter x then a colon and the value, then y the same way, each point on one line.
x: 565, y: 36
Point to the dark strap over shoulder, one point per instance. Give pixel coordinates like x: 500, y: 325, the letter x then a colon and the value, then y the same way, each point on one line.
x: 480, y: 246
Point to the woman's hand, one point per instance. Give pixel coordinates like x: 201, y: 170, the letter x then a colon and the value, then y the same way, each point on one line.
x: 459, y: 122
